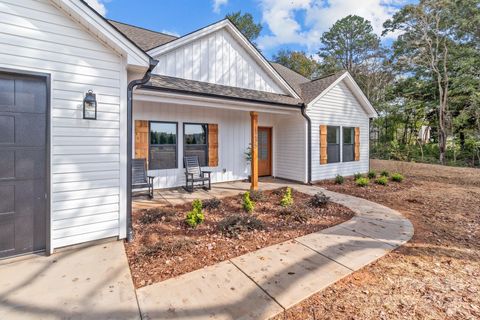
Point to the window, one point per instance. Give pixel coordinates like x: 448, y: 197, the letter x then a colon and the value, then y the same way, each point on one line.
x: 163, y: 145
x: 196, y: 142
x: 333, y: 142
x: 348, y: 144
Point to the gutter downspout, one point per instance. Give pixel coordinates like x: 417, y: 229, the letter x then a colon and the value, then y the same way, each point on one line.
x: 309, y: 143
x: 131, y: 86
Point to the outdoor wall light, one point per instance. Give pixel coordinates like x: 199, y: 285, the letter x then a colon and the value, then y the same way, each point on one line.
x: 90, y: 106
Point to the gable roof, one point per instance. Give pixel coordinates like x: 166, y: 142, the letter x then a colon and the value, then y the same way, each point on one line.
x: 312, y: 89
x: 144, y: 38
x: 180, y: 85
x: 238, y: 36
x: 100, y: 27
x: 293, y: 78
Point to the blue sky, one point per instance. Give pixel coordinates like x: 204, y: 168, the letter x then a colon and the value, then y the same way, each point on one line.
x: 287, y: 24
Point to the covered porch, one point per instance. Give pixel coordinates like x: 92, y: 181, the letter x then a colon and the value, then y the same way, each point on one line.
x: 235, y: 139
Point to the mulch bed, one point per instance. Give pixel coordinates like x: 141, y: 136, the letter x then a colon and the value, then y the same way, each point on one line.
x: 165, y: 247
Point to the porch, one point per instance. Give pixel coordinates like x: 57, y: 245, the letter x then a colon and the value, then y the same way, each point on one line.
x: 220, y: 131
x: 179, y: 196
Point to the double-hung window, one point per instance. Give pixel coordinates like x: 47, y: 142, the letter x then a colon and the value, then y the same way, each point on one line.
x: 163, y: 145
x: 333, y: 144
x: 348, y: 144
x: 195, y: 142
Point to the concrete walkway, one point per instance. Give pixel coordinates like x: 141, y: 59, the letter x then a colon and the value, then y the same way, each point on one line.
x: 91, y: 283
x: 264, y: 283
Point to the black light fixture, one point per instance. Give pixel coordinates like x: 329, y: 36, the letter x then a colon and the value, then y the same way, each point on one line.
x: 90, y: 106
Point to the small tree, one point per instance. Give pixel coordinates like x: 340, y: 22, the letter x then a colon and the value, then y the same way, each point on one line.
x: 287, y: 199
x: 195, y: 216
x: 248, y: 204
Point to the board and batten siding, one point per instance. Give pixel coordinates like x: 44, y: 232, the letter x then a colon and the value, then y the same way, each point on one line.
x: 338, y: 107
x: 233, y: 141
x: 85, y: 155
x: 216, y: 58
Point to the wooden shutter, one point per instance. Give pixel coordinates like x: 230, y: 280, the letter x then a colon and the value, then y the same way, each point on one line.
x: 212, y: 145
x: 141, y: 139
x: 323, y: 145
x: 357, y: 144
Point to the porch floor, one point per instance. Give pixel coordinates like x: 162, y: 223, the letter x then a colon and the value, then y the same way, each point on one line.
x: 179, y: 196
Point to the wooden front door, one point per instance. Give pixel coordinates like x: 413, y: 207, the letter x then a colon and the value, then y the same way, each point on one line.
x: 264, y: 152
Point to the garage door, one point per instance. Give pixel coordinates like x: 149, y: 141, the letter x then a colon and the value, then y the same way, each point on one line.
x: 23, y: 110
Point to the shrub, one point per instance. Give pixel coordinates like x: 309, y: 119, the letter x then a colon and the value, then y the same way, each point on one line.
x: 397, y: 177
x: 319, y: 200
x: 169, y: 248
x: 233, y: 225
x: 213, y: 203
x: 339, y: 179
x: 385, y: 173
x: 357, y: 176
x: 372, y: 174
x: 257, y: 195
x: 382, y: 180
x: 362, y: 182
x: 154, y: 215
x: 287, y: 199
x: 297, y: 212
x: 248, y: 204
x: 195, y: 216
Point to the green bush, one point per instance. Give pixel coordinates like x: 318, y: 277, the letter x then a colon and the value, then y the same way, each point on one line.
x: 382, y: 180
x: 357, y: 176
x: 339, y: 179
x: 248, y: 204
x: 385, y: 173
x: 362, y: 182
x: 195, y: 216
x: 372, y: 174
x: 397, y: 177
x: 287, y: 199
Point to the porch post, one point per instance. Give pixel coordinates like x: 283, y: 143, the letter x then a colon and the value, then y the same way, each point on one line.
x: 254, y: 141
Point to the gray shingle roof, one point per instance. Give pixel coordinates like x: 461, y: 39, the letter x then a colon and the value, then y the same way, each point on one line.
x: 160, y: 82
x: 144, y: 38
x: 311, y: 90
x: 293, y: 78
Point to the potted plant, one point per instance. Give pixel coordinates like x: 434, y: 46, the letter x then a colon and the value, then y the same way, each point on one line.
x: 248, y: 158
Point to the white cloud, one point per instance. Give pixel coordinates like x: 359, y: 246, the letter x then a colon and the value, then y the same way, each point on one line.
x: 172, y: 33
x: 217, y: 4
x: 98, y: 6
x: 318, y: 16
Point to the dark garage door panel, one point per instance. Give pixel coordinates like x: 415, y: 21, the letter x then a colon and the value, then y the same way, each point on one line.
x: 23, y: 110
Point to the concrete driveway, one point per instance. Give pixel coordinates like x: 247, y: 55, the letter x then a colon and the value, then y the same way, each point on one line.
x: 91, y: 283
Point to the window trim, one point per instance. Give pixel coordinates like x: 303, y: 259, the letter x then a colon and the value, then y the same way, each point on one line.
x: 349, y: 144
x: 206, y: 139
x: 150, y: 143
x: 340, y: 143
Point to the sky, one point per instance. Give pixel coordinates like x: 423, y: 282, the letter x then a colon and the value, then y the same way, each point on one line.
x: 287, y: 24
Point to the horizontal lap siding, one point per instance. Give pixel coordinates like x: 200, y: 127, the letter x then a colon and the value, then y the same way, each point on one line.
x: 85, y: 155
x: 338, y: 107
x: 291, y: 148
x: 216, y: 58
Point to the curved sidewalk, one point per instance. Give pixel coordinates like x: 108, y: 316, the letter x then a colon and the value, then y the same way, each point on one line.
x: 264, y: 283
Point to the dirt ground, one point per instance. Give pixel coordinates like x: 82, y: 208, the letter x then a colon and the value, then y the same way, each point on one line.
x: 165, y: 247
x: 434, y: 276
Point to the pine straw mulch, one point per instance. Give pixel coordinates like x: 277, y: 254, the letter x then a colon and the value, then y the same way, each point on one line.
x: 434, y: 276
x: 165, y: 247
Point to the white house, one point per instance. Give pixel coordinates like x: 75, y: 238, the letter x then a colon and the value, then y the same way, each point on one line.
x: 65, y: 178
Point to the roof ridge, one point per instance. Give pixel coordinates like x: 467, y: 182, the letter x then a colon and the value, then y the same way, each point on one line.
x: 329, y: 75
x: 143, y: 28
x: 290, y: 70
